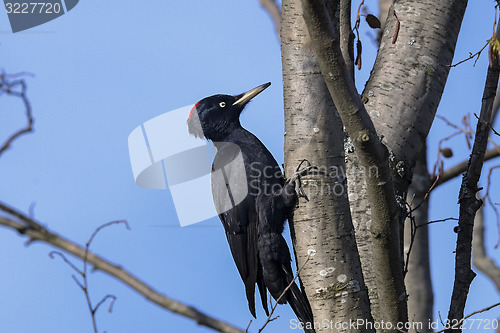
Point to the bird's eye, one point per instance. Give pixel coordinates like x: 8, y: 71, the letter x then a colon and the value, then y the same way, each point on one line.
x: 222, y: 104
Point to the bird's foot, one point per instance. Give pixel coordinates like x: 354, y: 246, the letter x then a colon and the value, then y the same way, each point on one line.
x: 295, y: 178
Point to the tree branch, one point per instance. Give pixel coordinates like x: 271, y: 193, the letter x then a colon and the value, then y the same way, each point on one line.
x: 481, y: 260
x: 407, y: 80
x: 469, y: 204
x: 372, y: 154
x: 461, y: 167
x: 346, y: 35
x: 36, y: 232
x: 9, y: 88
x: 272, y: 8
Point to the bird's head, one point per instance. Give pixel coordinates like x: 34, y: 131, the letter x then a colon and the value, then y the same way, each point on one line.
x: 216, y: 116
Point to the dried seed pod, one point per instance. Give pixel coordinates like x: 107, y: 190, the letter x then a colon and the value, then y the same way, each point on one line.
x: 447, y: 152
x: 373, y: 21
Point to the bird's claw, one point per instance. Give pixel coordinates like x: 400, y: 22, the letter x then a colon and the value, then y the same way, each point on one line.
x: 309, y: 169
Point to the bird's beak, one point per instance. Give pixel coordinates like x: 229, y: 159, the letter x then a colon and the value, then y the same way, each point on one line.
x: 246, y: 97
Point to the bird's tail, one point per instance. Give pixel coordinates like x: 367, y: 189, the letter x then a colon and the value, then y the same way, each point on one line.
x: 300, y: 305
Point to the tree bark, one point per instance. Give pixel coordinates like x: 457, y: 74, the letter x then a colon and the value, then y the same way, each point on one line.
x: 322, y: 226
x: 469, y: 204
x: 408, y: 78
x: 401, y: 97
x: 373, y: 157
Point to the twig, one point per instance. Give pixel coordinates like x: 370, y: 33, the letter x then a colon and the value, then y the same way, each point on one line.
x: 248, y: 327
x: 20, y: 74
x: 52, y: 254
x: 482, y: 310
x: 269, y: 317
x: 471, y: 56
x: 113, y: 299
x: 426, y: 194
x: 413, y: 231
x: 488, y: 124
x: 83, y: 274
x: 439, y: 221
x: 20, y: 223
x: 9, y: 88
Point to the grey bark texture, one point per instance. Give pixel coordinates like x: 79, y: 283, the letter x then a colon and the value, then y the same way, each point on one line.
x: 371, y: 153
x: 322, y: 226
x: 408, y: 78
x: 401, y: 98
x: 397, y: 106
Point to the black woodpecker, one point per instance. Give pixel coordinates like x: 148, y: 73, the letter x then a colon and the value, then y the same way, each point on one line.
x: 252, y: 199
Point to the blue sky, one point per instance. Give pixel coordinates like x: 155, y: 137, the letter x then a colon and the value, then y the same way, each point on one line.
x: 102, y: 70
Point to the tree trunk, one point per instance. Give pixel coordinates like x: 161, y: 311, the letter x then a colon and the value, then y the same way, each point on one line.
x: 322, y: 226
x: 408, y: 78
x: 402, y: 96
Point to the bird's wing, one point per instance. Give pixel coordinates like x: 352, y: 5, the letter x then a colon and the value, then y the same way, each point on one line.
x: 236, y: 209
x: 241, y: 234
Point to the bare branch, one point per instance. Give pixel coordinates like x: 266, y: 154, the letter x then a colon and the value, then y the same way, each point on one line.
x: 489, y: 125
x: 10, y: 88
x: 272, y: 8
x: 42, y: 234
x: 426, y: 195
x: 440, y: 220
x: 471, y: 56
x: 460, y: 168
x: 413, y: 231
x: 66, y: 260
x: 469, y: 204
x: 111, y: 297
x: 84, y: 274
x: 346, y: 35
x: 482, y: 310
x: 104, y: 226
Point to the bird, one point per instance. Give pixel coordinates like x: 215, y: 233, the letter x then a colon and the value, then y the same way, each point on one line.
x: 253, y: 201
